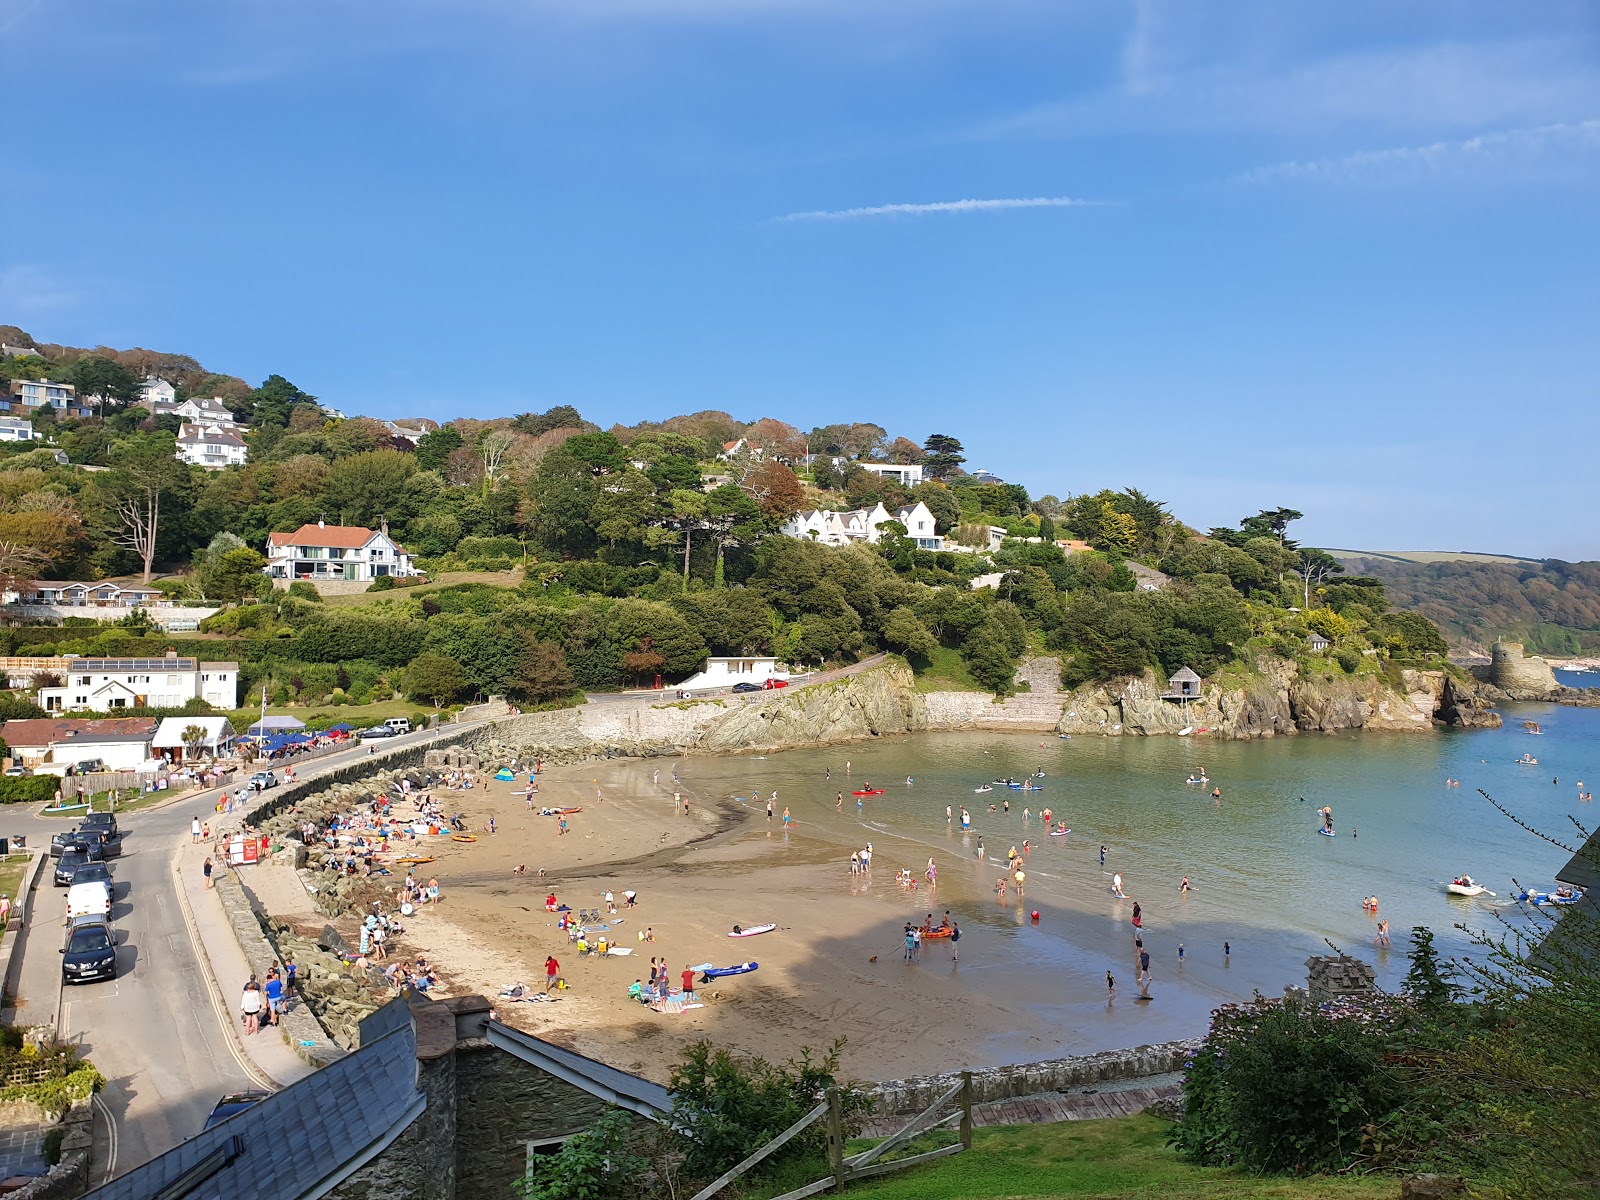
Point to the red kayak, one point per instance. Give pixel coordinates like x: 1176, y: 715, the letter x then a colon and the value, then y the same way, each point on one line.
x: 869, y: 792
x: 942, y: 932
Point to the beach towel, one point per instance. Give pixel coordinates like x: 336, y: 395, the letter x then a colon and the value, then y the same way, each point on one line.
x: 620, y: 950
x: 673, y: 1005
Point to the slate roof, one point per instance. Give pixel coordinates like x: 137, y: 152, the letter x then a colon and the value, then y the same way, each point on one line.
x: 44, y: 731
x: 300, y: 1139
x: 1583, y: 872
x: 649, y: 1100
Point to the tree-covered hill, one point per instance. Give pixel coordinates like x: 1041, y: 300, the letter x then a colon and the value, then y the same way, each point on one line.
x: 1553, y: 607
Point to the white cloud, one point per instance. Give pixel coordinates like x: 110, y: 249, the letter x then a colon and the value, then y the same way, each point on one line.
x: 1448, y: 86
x: 1505, y: 150
x: 940, y: 206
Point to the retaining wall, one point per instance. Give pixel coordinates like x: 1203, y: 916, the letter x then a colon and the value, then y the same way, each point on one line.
x: 69, y: 1178
x: 1031, y: 1079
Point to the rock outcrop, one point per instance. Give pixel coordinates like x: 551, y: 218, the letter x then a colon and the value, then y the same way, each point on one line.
x: 1520, y: 676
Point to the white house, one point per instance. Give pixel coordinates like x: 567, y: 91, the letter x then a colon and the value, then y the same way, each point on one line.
x: 155, y: 392
x: 862, y: 525
x: 25, y: 397
x: 328, y: 552
x: 107, y: 684
x: 74, y: 594
x: 211, y: 446
x: 17, y: 429
x: 744, y: 668
x: 905, y: 474
x: 121, y: 743
x: 169, y: 736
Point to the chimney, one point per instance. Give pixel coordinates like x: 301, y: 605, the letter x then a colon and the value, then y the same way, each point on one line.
x: 171, y: 653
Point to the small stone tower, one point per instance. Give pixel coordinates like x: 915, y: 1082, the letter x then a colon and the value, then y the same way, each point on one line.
x: 1512, y: 671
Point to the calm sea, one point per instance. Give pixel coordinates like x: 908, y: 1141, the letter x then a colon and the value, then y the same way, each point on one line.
x: 1264, y: 881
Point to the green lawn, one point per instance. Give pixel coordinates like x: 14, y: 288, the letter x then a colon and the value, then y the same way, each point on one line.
x: 1125, y: 1159
x: 11, y: 869
x: 947, y: 672
x: 444, y: 579
x: 357, y: 716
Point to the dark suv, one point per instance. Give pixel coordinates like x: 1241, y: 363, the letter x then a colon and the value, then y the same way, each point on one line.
x: 106, y: 823
x: 90, y: 952
x: 96, y: 842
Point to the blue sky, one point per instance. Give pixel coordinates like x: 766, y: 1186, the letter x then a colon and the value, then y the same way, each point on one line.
x: 1336, y: 257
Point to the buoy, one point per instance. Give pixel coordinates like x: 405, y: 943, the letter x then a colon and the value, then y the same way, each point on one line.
x: 1036, y: 914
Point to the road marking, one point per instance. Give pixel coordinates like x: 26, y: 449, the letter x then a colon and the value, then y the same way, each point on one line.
x: 111, y: 1138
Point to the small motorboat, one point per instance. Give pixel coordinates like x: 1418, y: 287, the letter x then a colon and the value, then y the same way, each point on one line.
x: 1562, y: 895
x: 869, y: 792
x: 752, y: 931
x: 985, y: 788
x: 1462, y: 885
x: 719, y: 972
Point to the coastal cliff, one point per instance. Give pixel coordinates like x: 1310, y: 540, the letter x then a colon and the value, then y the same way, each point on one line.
x: 1272, y: 699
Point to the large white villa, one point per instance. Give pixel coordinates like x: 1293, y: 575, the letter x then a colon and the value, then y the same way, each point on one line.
x: 343, y: 552
x: 862, y: 525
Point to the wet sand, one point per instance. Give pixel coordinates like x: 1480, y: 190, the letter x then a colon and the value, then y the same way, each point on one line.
x: 833, y: 968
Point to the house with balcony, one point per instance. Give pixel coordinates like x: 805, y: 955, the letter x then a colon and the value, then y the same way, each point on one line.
x: 344, y: 553
x: 107, y: 684
x: 211, y: 446
x: 905, y: 474
x: 76, y: 594
x: 862, y: 525
x: 27, y: 396
x: 155, y: 391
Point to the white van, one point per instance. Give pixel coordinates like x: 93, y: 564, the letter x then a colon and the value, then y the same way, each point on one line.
x: 89, y: 898
x: 398, y: 725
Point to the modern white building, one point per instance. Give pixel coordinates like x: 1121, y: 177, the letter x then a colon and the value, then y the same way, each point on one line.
x: 211, y: 446
x: 905, y: 474
x: 862, y: 525
x: 107, y: 684
x: 336, y: 552
x: 744, y: 668
x: 52, y: 745
x: 17, y: 429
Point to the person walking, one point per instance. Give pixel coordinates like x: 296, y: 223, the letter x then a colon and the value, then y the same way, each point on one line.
x: 1144, y: 974
x: 194, y: 831
x: 955, y: 941
x: 551, y: 969
x: 1111, y: 987
x: 205, y: 870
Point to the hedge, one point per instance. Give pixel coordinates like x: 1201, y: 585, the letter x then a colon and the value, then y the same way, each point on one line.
x: 28, y: 789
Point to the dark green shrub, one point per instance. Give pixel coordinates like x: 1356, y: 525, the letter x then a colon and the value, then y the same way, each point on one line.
x: 383, y: 583
x: 28, y: 789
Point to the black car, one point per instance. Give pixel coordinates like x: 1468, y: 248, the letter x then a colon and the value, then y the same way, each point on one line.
x: 92, y: 872
x: 67, y: 865
x: 232, y: 1105
x: 97, y: 843
x: 105, y: 823
x: 90, y: 952
x: 747, y: 687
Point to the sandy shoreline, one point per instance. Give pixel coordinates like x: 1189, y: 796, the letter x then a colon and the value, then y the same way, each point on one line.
x: 834, y: 967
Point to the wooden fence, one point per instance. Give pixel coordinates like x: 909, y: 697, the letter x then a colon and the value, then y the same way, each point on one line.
x: 104, y: 781
x: 845, y: 1168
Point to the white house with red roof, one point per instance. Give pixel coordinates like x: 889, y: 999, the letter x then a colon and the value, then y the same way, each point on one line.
x: 324, y: 552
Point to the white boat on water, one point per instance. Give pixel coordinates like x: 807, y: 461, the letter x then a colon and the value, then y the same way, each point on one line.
x: 1462, y: 885
x: 1186, y: 731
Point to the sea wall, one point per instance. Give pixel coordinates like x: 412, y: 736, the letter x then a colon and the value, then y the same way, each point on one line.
x: 1030, y: 1079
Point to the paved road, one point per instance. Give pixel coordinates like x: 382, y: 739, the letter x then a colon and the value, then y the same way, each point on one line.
x: 153, y: 1032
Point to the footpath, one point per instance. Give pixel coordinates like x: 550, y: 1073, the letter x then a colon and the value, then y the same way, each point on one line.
x: 265, y: 1055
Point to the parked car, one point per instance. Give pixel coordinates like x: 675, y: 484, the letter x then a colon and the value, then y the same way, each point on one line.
x: 747, y: 687
x: 92, y: 898
x: 398, y: 724
x: 232, y: 1105
x: 67, y: 865
x: 90, y: 952
x: 89, y: 766
x: 14, y: 772
x: 377, y: 731
x: 262, y: 780
x: 92, y: 872
x: 93, y: 842
x: 775, y: 683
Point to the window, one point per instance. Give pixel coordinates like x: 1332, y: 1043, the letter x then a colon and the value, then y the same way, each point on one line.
x: 83, y: 681
x: 205, y: 679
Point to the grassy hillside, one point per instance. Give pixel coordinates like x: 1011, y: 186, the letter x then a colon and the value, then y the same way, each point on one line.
x: 1433, y: 556
x: 1553, y: 607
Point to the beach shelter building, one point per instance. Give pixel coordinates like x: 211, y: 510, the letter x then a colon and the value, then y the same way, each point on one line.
x: 169, y: 738
x: 1184, y: 685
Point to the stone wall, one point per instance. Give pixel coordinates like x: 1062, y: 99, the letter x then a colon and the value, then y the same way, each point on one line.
x: 70, y: 1177
x: 502, y: 1103
x: 1030, y: 1079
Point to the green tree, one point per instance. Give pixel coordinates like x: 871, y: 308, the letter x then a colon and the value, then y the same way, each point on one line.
x: 944, y: 455
x: 194, y: 740
x: 142, y: 495
x: 434, y: 678
x: 274, y: 402
x: 364, y: 489
x: 92, y: 375
x: 903, y: 631
x: 597, y: 1164
x: 233, y: 575
x: 542, y: 674
x: 434, y: 447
